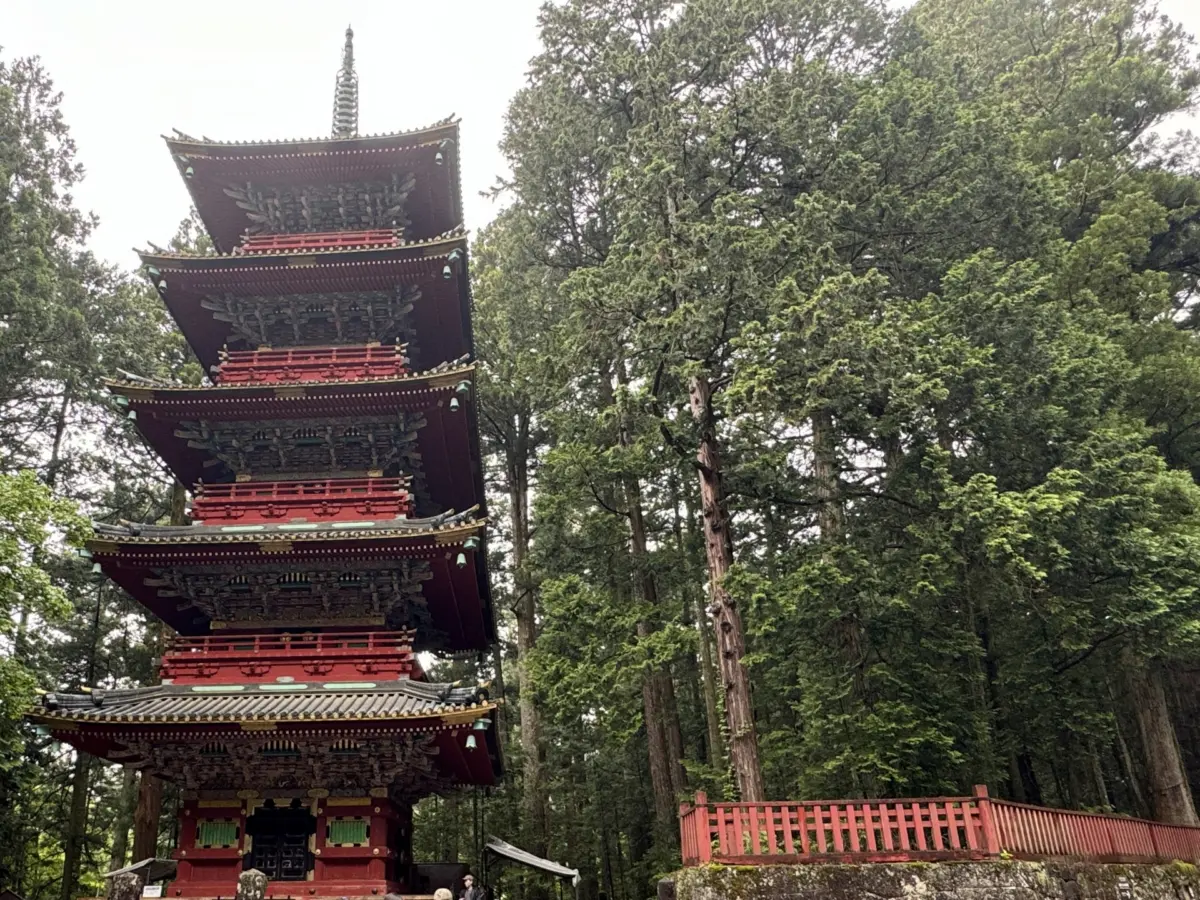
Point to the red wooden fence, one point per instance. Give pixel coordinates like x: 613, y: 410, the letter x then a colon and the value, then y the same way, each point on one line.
x: 258, y: 502
x: 320, y: 240
x: 310, y: 364
x: 931, y: 828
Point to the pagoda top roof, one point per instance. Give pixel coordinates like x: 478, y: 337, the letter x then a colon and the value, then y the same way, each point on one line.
x: 217, y: 173
x: 236, y: 703
x: 185, y: 143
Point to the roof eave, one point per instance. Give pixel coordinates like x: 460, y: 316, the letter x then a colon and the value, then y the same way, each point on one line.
x: 183, y: 144
x: 431, y: 380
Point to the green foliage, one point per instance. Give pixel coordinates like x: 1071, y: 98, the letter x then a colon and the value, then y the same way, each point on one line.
x: 67, y: 322
x: 939, y: 269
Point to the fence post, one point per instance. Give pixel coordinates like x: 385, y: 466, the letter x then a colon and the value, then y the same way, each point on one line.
x: 987, y: 821
x: 685, y: 839
x: 703, y: 832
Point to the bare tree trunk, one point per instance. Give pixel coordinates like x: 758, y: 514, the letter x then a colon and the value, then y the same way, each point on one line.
x: 693, y: 603
x: 708, y: 681
x: 124, y: 821
x: 123, y: 826
x: 708, y: 677
x: 1170, y: 795
x: 658, y: 691
x: 656, y: 739
x: 76, y: 825
x: 146, y: 816
x: 502, y: 724
x: 727, y: 620
x: 533, y: 796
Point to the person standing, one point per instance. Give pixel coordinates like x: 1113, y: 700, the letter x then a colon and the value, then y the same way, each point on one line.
x: 469, y: 891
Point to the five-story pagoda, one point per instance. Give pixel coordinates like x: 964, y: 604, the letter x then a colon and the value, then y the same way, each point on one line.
x: 336, y: 518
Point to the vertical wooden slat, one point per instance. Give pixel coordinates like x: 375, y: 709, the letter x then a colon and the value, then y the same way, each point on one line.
x: 853, y: 845
x: 936, y: 826
x: 1043, y: 835
x: 868, y: 810
x: 1027, y: 826
x: 755, y: 831
x: 885, y: 826
x: 972, y: 827
x: 704, y: 827
x: 835, y: 819
x: 790, y: 813
x: 802, y: 812
x: 772, y: 845
x: 919, y: 826
x: 952, y: 819
x: 819, y: 821
x: 902, y: 826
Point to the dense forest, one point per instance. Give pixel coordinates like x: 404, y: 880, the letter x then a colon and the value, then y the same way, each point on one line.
x: 841, y: 401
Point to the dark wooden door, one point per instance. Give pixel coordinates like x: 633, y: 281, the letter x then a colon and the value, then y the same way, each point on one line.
x: 281, y: 856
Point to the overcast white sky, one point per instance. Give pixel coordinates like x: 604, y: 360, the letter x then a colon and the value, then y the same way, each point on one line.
x: 133, y: 69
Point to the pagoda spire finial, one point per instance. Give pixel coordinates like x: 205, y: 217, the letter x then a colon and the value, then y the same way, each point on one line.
x: 345, y: 95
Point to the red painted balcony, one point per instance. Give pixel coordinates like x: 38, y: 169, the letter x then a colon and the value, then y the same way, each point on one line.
x: 329, y: 500
x: 314, y: 242
x: 327, y: 656
x: 298, y: 364
x: 926, y: 828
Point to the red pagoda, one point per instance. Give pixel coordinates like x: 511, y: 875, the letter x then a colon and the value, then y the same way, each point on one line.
x: 337, y: 524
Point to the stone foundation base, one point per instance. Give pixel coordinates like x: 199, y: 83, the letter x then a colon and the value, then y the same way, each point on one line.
x: 1015, y: 880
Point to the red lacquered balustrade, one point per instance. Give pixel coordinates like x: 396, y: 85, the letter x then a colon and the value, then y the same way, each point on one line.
x: 351, y: 656
x: 320, y: 241
x: 328, y: 500
x: 924, y: 828
x: 299, y: 364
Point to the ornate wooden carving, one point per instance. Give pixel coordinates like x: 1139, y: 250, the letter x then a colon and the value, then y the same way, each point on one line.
x: 402, y: 764
x: 264, y: 592
x: 343, y: 206
x: 360, y: 317
x: 295, y: 448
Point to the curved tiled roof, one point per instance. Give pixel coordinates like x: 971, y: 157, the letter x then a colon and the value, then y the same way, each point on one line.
x: 454, y: 235
x: 264, y: 702
x: 456, y: 368
x: 180, y: 139
x: 132, y: 533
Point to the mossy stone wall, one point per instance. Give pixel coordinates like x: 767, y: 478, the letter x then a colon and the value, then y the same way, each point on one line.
x: 1007, y: 880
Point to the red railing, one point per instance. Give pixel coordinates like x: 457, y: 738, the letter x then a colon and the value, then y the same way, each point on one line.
x: 938, y: 828
x: 1037, y: 832
x: 257, y: 502
x: 234, y: 658
x: 324, y: 240
x: 310, y: 364
x: 243, y: 646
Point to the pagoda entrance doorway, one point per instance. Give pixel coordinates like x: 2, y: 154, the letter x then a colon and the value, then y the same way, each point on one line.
x: 280, y: 847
